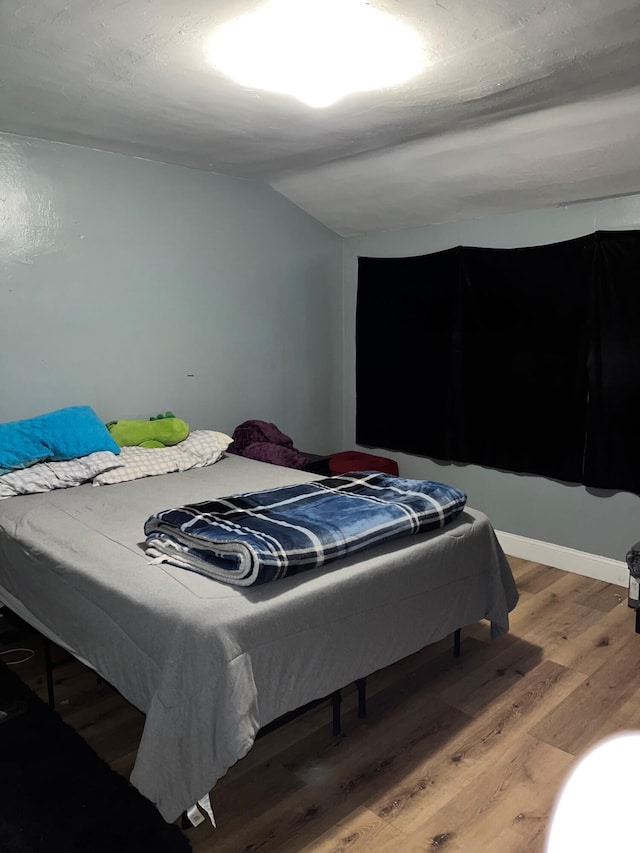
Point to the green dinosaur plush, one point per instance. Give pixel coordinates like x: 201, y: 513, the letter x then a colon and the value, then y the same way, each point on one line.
x: 159, y: 431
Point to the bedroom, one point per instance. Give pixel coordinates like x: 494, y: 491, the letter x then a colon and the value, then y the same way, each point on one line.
x: 135, y: 285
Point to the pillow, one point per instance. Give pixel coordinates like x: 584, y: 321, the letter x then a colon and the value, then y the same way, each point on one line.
x: 45, y: 476
x: 57, y: 436
x: 202, y: 447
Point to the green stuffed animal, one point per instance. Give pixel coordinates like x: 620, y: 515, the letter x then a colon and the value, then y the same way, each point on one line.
x: 158, y: 431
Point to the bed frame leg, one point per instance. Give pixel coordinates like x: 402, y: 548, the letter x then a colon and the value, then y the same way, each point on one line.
x: 336, y: 699
x: 49, y: 671
x: 637, y: 620
x: 456, y: 643
x: 361, y: 684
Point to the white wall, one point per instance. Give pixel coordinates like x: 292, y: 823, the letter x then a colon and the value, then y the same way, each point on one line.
x: 569, y: 516
x: 137, y: 287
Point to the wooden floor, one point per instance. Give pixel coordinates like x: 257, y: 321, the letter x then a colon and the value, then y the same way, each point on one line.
x: 456, y: 755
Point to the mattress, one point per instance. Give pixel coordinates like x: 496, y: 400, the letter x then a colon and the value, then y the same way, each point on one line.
x: 208, y: 663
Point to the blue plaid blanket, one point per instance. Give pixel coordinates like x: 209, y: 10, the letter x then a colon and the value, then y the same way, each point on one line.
x: 257, y: 537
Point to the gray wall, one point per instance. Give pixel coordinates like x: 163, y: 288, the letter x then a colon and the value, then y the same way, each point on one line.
x: 137, y: 287
x: 571, y: 516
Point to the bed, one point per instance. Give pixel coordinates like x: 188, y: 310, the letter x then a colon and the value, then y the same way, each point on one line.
x: 209, y: 664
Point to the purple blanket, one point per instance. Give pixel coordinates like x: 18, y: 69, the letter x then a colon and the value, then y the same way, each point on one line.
x: 264, y: 441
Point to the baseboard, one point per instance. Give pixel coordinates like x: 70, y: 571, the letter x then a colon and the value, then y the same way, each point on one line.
x: 589, y: 565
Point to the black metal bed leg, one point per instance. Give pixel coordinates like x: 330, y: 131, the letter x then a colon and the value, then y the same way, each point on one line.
x: 637, y: 620
x: 336, y: 699
x: 361, y: 684
x: 456, y: 643
x: 49, y: 671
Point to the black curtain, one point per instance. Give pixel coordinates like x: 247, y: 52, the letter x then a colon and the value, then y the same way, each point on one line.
x: 525, y: 360
x: 407, y: 352
x: 524, y: 333
x: 612, y: 457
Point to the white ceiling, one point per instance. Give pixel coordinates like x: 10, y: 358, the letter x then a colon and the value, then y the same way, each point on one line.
x: 524, y: 104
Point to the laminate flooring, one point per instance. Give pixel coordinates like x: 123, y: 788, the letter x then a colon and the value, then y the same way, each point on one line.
x: 462, y: 754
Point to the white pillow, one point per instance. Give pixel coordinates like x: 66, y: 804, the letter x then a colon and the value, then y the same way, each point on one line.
x: 46, y: 476
x: 202, y: 447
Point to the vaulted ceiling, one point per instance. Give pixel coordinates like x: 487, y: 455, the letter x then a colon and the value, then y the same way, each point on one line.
x: 523, y: 104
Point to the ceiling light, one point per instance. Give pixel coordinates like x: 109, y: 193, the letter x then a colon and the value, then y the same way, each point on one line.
x: 317, y: 50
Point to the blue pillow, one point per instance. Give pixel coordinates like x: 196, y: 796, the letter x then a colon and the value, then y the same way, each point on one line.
x: 54, y: 437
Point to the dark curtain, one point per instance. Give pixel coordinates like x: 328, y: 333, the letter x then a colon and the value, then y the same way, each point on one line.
x: 612, y: 458
x: 407, y: 352
x: 526, y: 360
x: 524, y: 334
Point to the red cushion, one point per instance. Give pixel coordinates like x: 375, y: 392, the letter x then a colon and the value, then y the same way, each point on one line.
x: 353, y: 460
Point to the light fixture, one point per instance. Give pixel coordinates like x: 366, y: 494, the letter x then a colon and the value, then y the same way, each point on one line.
x: 317, y: 50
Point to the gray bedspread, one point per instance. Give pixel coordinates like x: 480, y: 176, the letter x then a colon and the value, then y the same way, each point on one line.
x: 209, y: 664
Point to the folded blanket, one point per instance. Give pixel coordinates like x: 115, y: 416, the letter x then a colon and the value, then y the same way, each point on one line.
x: 257, y: 537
